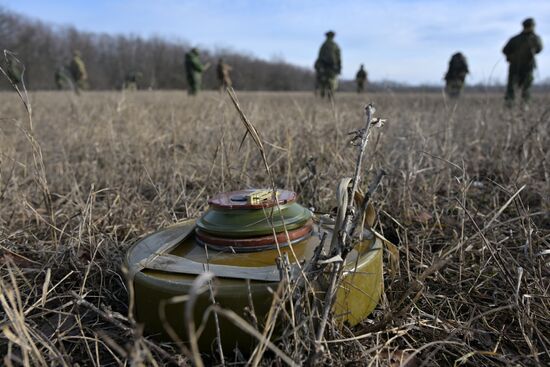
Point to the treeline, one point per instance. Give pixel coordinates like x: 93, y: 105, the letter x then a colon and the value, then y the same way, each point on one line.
x: 42, y: 48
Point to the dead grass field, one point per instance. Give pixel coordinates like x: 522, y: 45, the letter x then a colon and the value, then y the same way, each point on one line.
x: 466, y: 197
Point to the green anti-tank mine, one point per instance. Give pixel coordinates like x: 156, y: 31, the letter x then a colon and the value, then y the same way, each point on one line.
x: 239, y: 240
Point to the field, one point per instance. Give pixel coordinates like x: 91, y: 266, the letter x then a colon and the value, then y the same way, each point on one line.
x: 465, y: 198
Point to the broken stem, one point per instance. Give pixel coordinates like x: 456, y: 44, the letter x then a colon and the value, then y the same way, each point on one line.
x: 343, y: 232
x: 372, y: 188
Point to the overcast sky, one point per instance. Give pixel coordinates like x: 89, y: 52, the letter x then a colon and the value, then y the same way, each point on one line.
x: 409, y: 41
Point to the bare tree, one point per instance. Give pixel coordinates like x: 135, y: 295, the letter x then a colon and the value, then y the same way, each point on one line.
x: 43, y: 48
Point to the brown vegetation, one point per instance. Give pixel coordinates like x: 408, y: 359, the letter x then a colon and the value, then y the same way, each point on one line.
x: 465, y: 198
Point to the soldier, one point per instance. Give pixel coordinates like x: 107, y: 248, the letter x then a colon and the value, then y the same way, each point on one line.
x: 62, y: 80
x: 77, y: 69
x: 360, y: 79
x: 520, y: 52
x: 456, y: 75
x: 131, y: 80
x: 223, y: 74
x: 14, y: 69
x: 328, y: 66
x: 193, y: 69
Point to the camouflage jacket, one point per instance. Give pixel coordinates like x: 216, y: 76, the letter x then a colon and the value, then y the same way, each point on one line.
x: 193, y: 64
x: 329, y: 58
x: 361, y: 75
x: 78, y: 69
x: 520, y: 50
x: 458, y: 68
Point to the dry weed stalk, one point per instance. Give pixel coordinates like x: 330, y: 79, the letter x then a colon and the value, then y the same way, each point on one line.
x: 38, y: 158
x: 347, y: 219
x: 342, y: 238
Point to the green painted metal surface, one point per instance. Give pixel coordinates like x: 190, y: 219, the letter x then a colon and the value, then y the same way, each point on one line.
x: 157, y: 294
x: 240, y: 223
x: 165, y: 264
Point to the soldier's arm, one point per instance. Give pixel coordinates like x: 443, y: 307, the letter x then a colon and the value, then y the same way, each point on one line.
x: 538, y: 44
x: 508, y: 48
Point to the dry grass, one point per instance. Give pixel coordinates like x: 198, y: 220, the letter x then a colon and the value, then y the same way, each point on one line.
x: 466, y: 197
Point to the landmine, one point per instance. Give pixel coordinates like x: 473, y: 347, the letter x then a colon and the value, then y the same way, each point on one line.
x: 239, y: 239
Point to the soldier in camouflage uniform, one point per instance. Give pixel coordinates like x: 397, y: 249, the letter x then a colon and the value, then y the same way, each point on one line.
x: 77, y: 69
x: 456, y: 75
x: 328, y: 66
x: 360, y: 79
x: 62, y: 80
x: 14, y: 70
x: 520, y: 52
x: 222, y: 70
x: 131, y: 80
x: 193, y: 70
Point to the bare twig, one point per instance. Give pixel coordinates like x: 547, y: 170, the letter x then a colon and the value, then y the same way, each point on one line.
x: 346, y: 216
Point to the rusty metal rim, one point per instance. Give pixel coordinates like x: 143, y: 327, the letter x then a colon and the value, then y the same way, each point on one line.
x: 255, y: 243
x: 238, y: 250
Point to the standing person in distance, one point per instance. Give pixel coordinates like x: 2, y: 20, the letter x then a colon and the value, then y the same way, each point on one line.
x: 222, y: 70
x: 360, y: 79
x: 193, y: 71
x: 328, y: 66
x: 520, y: 53
x: 78, y: 72
x: 456, y: 75
x: 131, y: 80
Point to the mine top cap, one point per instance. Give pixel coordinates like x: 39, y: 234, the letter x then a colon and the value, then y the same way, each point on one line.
x: 252, y: 199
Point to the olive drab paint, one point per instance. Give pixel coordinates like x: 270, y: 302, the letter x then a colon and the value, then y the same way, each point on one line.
x: 164, y: 265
